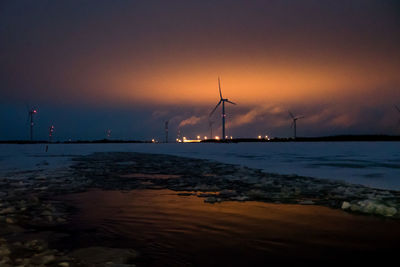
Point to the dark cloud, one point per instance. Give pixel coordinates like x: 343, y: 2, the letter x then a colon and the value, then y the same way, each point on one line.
x: 93, y: 65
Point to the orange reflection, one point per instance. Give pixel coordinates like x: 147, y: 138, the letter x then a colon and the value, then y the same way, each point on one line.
x: 159, y: 220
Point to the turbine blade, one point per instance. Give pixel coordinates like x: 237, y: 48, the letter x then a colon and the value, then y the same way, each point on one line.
x: 299, y: 117
x: 231, y: 102
x: 219, y: 87
x: 291, y: 115
x: 215, y: 108
x: 291, y: 126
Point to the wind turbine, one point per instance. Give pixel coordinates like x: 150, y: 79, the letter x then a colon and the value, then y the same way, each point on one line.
x: 294, y: 122
x: 31, y: 112
x: 166, y: 131
x: 222, y: 100
x: 398, y: 109
x: 210, y: 124
x: 51, y: 131
x: 108, y: 133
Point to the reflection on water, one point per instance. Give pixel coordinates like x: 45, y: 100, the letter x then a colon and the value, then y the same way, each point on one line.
x: 171, y: 230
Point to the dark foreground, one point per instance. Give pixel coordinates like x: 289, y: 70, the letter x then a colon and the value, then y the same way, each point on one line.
x: 126, y: 209
x: 172, y: 230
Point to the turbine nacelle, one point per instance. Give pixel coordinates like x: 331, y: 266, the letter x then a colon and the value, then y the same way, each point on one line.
x: 295, y: 118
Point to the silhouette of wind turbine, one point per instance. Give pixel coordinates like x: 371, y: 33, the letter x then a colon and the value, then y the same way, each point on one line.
x: 31, y: 112
x: 222, y: 100
x: 294, y: 125
x: 210, y: 124
x: 108, y: 133
x: 166, y: 131
x: 51, y: 131
x: 398, y: 109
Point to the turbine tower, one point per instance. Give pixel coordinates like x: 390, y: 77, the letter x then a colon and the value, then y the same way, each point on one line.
x: 108, y: 133
x: 166, y: 131
x: 294, y: 125
x: 398, y: 109
x: 31, y: 112
x: 210, y: 124
x: 51, y: 131
x: 222, y: 100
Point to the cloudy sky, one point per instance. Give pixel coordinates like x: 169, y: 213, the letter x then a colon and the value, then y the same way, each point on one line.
x: 128, y: 66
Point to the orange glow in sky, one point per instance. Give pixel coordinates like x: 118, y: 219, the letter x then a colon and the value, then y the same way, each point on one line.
x: 253, y: 83
x: 336, y: 62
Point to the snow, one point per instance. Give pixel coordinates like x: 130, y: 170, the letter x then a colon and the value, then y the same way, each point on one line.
x: 374, y: 164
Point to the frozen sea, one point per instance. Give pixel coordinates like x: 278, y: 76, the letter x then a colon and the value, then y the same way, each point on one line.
x: 374, y: 164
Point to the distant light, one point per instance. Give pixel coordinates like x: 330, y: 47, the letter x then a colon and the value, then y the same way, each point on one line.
x: 259, y: 137
x: 191, y: 141
x: 51, y: 130
x: 153, y: 141
x: 205, y: 137
x: 226, y: 136
x: 217, y: 137
x: 198, y: 137
x: 231, y: 137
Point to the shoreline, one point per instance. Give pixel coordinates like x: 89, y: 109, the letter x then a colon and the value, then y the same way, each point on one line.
x: 27, y: 202
x: 357, y: 163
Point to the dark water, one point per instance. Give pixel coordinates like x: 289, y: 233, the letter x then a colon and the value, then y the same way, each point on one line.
x: 171, y: 230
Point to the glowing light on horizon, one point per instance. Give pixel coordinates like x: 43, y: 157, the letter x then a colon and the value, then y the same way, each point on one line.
x: 191, y: 141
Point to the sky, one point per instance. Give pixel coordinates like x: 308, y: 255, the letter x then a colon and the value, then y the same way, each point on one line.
x: 88, y: 66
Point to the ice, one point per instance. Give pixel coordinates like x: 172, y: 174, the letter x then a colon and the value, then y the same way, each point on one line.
x: 374, y: 164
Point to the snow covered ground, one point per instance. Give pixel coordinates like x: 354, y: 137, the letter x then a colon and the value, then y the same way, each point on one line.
x: 374, y: 164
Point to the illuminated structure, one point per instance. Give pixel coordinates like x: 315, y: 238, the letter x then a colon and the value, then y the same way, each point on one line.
x: 51, y: 131
x: 32, y: 112
x: 222, y: 100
